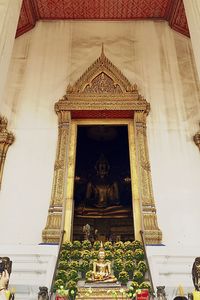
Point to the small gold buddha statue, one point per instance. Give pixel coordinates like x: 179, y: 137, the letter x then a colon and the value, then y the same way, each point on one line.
x: 102, y: 269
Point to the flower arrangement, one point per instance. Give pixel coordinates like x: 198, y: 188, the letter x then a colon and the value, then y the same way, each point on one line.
x: 63, y: 265
x: 117, y: 266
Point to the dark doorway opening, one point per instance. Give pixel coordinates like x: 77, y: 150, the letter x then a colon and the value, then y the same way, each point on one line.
x: 102, y: 189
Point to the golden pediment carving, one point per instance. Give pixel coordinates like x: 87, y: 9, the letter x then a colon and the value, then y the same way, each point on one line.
x: 102, y: 87
x: 102, y: 76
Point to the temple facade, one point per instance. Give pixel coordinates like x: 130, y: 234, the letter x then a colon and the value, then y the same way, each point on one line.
x: 35, y: 74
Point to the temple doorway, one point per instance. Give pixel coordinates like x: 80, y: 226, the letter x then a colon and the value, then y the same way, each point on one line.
x: 102, y: 184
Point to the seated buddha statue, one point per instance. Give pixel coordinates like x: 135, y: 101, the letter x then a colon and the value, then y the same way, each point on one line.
x: 102, y: 269
x: 102, y: 192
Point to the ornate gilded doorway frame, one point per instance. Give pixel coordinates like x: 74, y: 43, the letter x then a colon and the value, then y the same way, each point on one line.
x: 102, y: 95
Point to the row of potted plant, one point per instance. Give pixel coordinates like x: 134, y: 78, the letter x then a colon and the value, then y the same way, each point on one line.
x: 76, y: 262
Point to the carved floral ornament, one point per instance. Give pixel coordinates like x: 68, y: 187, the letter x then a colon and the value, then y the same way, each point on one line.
x: 102, y: 92
x: 6, y: 139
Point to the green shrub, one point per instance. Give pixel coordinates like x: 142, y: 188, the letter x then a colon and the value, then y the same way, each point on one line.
x: 63, y: 265
x: 117, y: 267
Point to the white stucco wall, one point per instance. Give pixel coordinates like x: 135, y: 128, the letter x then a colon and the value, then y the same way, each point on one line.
x: 149, y: 54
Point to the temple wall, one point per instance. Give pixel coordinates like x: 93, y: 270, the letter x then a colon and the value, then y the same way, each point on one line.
x: 150, y: 54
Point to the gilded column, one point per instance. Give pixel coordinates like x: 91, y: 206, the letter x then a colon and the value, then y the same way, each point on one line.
x: 55, y: 219
x: 6, y: 139
x: 152, y: 233
x: 192, y: 9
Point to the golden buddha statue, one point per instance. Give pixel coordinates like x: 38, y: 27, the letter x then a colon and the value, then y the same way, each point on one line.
x: 102, y: 269
x: 101, y: 192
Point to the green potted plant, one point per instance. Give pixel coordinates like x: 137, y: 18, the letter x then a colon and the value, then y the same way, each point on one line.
x: 86, y: 245
x: 142, y: 266
x: 137, y: 245
x: 67, y: 245
x: 86, y: 255
x: 76, y: 254
x: 108, y: 246
x: 97, y: 245
x: 129, y: 255
x: 138, y: 276
x: 65, y: 255
x: 118, y: 253
x: 84, y: 267
x: 123, y: 277
x: 72, y: 289
x: 76, y: 245
x: 108, y: 255
x: 139, y: 254
x: 128, y: 246
x: 117, y: 267
x: 73, y: 265
x: 129, y: 267
x: 119, y: 245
